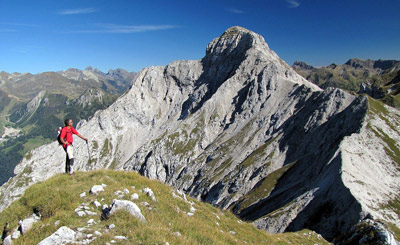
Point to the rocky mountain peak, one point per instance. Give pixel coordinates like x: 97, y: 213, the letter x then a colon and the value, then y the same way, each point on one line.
x: 94, y: 70
x: 301, y: 65
x: 117, y: 73
x: 234, y: 43
x: 359, y: 63
x: 89, y: 68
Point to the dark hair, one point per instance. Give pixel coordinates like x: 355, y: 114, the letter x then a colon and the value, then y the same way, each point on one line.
x: 67, y: 121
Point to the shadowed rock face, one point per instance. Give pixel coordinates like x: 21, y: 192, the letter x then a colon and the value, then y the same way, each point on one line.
x: 312, y: 187
x: 241, y: 130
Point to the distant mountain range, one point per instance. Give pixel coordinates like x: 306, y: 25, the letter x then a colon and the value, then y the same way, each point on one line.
x: 33, y: 106
x: 71, y: 82
x: 378, y: 78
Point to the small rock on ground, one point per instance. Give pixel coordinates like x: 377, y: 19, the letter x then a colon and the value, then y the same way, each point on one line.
x: 134, y: 196
x: 63, y: 235
x: 96, y: 204
x: 129, y: 206
x: 121, y: 238
x: 150, y: 193
x: 96, y: 189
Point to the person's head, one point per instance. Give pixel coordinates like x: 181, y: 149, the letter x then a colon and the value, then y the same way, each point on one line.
x: 68, y: 122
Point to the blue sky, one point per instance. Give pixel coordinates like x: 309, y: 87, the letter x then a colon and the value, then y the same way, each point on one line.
x: 53, y: 35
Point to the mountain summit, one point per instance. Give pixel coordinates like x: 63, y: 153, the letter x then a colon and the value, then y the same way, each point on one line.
x: 240, y: 129
x: 235, y: 42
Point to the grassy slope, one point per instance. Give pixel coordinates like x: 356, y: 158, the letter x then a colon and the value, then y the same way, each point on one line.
x: 4, y: 102
x: 58, y: 197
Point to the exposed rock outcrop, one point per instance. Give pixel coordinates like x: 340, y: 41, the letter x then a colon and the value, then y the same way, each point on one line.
x: 372, y: 90
x: 31, y: 106
x: 241, y: 130
x: 128, y: 206
x: 63, y: 235
x: 368, y: 232
x: 88, y: 97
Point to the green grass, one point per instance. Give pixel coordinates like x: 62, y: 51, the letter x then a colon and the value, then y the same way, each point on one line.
x: 182, y: 142
x: 395, y: 230
x: 258, y: 154
x: 5, y: 111
x: 92, y: 161
x: 107, y: 149
x: 28, y: 156
x: 174, y: 143
x: 57, y: 203
x: 224, y: 147
x: 393, y: 205
x: 263, y: 188
x: 220, y: 169
x: 95, y: 145
x: 391, y: 147
x: 377, y: 107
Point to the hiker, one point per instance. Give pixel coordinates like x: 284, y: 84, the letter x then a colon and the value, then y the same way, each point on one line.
x: 67, y: 139
x: 6, y: 231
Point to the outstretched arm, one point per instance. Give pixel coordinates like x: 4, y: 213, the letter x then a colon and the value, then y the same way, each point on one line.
x: 80, y: 136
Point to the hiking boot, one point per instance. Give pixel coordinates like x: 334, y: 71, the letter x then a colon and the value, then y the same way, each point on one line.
x: 71, y: 166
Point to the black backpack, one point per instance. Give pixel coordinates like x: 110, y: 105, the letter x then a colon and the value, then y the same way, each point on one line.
x: 59, y: 134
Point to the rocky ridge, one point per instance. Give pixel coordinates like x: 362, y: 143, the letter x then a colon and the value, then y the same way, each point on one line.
x: 118, y: 79
x: 241, y: 130
x: 25, y: 86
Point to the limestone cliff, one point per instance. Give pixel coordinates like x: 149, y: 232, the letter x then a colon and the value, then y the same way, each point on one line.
x: 241, y: 130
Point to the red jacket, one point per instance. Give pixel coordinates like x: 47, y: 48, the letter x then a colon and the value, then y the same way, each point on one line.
x: 66, y: 134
